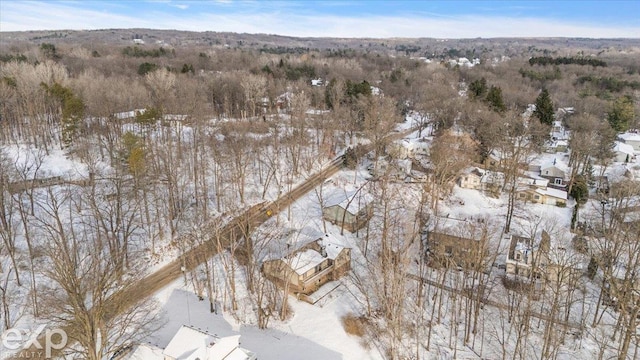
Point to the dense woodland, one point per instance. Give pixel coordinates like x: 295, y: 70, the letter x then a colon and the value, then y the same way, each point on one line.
x: 178, y: 134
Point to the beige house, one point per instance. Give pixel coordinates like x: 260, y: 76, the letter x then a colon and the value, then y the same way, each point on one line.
x: 304, y: 270
x: 471, y: 178
x: 452, y: 246
x: 548, y: 196
x: 492, y: 161
x: 556, y: 173
x: 351, y: 209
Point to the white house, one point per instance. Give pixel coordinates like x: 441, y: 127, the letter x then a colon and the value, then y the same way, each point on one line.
x: 631, y: 138
x: 194, y: 344
x: 191, y: 344
x: 623, y: 152
x: 555, y: 172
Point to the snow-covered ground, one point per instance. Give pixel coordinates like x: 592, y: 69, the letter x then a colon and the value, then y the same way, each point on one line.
x: 317, y: 330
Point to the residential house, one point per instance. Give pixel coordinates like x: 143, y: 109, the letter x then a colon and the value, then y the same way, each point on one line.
x: 623, y: 152
x: 533, y: 180
x: 628, y: 216
x: 492, y: 161
x: 547, y: 196
x: 527, y: 257
x: 408, y: 148
x: 349, y: 209
x: 128, y: 115
x: 455, y: 242
x: 471, y: 178
x: 309, y: 267
x: 631, y: 138
x: 395, y: 170
x: 536, y: 258
x: 317, y: 82
x: 556, y: 146
x: 190, y: 343
x: 283, y: 101
x: 556, y: 173
x: 558, y: 138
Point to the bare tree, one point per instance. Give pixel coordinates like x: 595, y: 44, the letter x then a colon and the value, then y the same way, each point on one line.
x: 86, y: 286
x: 254, y: 87
x: 517, y: 145
x: 450, y: 154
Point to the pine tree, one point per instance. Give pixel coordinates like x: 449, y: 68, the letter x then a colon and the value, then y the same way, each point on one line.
x: 544, y: 108
x: 478, y: 88
x: 494, y: 98
x: 72, y: 111
x: 621, y: 114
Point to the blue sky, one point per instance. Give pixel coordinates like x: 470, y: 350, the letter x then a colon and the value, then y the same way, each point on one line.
x: 337, y: 18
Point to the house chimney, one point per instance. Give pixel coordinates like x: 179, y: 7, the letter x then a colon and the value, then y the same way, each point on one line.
x: 323, y: 251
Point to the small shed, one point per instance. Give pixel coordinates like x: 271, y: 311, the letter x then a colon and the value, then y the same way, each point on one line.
x: 351, y: 209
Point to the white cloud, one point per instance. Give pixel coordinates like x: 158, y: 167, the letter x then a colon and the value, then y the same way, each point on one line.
x: 19, y: 16
x: 181, y: 6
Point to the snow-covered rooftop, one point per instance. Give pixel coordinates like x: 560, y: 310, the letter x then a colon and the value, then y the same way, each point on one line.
x: 146, y: 352
x: 350, y: 200
x: 193, y: 344
x: 306, y: 260
x: 532, y: 178
x: 554, y: 161
x: 332, y: 249
x: 189, y: 343
x: 473, y: 170
x: 299, y: 238
x: 560, y: 194
x: 630, y: 136
x: 623, y: 148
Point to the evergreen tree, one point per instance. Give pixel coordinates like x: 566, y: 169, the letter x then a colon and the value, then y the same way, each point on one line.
x: 149, y: 116
x: 544, y: 108
x: 72, y: 111
x: 580, y: 190
x: 495, y: 100
x: 187, y: 68
x: 146, y: 67
x: 478, y: 88
x: 621, y: 114
x: 49, y: 51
